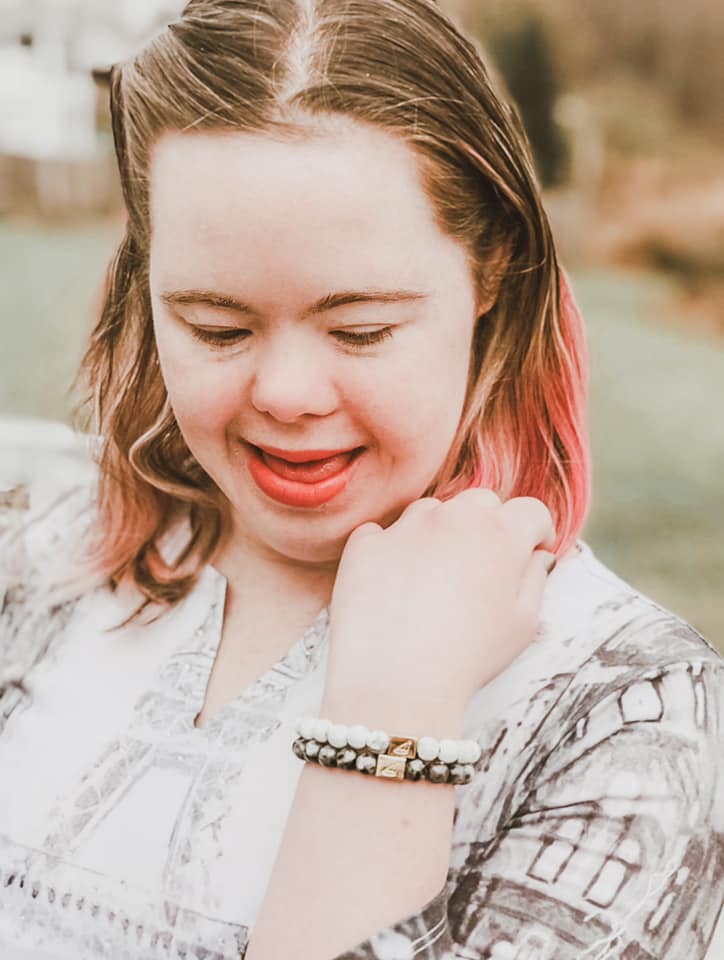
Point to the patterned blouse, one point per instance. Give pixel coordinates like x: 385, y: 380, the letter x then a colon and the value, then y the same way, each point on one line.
x: 593, y: 828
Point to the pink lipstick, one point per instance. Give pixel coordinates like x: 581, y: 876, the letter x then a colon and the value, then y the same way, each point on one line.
x: 303, y: 478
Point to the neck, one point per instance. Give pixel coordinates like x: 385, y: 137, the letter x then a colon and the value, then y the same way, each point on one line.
x: 255, y: 570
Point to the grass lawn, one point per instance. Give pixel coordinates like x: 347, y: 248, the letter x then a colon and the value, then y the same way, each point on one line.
x: 658, y: 447
x: 655, y: 411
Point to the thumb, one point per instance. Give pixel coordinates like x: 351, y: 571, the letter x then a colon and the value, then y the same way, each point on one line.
x: 530, y: 596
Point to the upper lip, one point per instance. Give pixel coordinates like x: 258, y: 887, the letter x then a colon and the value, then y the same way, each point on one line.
x: 302, y: 456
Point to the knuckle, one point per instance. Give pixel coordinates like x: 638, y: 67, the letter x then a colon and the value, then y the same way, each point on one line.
x: 421, y: 502
x: 421, y: 506
x: 476, y: 496
x: 530, y: 507
x: 363, y: 532
x: 486, y: 495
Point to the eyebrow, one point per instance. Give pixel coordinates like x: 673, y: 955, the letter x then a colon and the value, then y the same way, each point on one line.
x: 328, y: 302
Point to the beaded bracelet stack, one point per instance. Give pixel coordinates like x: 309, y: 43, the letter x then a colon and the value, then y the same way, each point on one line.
x: 374, y: 752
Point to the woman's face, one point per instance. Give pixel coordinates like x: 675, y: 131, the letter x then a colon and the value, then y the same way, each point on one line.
x: 304, y: 299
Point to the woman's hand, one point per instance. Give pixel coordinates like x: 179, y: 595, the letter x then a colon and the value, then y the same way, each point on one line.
x: 444, y: 598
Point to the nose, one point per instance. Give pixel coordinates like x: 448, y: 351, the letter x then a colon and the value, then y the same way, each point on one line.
x: 291, y: 378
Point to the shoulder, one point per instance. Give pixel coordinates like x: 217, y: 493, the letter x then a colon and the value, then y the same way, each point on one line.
x: 618, y: 631
x: 48, y: 500
x: 598, y: 637
x: 610, y: 630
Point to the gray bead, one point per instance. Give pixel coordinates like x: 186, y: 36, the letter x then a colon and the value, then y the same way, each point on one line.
x: 366, y: 763
x: 311, y: 749
x: 438, y: 773
x: 346, y: 757
x: 461, y: 773
x: 298, y: 748
x: 328, y: 756
x: 414, y: 769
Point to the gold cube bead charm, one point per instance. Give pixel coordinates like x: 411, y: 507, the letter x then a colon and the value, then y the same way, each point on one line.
x: 391, y: 768
x: 402, y: 747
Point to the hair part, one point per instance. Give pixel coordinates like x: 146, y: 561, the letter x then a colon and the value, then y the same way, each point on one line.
x: 286, y: 68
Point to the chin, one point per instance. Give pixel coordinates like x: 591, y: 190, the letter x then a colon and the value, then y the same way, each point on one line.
x: 312, y: 550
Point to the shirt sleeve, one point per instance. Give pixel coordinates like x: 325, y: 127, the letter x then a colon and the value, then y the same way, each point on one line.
x: 617, y: 851
x: 39, y: 541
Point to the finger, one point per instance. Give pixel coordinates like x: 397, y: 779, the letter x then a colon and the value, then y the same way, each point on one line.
x: 530, y: 594
x: 413, y: 509
x: 533, y: 520
x: 480, y: 495
x: 417, y: 506
x: 364, y: 530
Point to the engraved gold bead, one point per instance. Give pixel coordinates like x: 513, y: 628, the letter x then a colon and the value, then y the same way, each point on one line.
x: 390, y: 768
x: 402, y: 747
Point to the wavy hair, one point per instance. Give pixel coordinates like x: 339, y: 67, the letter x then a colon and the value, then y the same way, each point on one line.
x: 275, y: 66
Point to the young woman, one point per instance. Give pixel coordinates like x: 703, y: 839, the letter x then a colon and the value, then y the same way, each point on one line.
x: 339, y: 382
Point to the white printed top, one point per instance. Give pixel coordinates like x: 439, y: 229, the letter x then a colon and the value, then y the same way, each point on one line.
x: 593, y: 827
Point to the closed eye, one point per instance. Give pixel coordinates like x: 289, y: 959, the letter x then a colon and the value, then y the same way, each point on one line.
x: 365, y: 339
x: 228, y: 336
x: 218, y: 336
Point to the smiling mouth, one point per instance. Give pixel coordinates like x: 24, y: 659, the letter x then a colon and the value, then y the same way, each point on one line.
x: 308, y: 471
x: 303, y: 456
x: 310, y: 483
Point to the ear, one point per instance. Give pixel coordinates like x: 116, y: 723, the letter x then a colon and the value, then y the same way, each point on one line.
x: 491, y: 273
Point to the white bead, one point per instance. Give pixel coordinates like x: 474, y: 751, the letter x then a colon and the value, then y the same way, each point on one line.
x: 378, y: 741
x: 427, y: 748
x: 448, y: 752
x: 357, y: 736
x: 337, y: 734
x: 469, y: 751
x: 306, y: 727
x: 320, y: 727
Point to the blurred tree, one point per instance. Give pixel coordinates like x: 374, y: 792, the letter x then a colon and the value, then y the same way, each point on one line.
x: 676, y: 48
x: 522, y: 53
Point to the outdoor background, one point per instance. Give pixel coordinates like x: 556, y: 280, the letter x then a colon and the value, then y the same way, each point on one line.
x: 623, y: 103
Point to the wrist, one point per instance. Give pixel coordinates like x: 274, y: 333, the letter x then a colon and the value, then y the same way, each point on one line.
x: 401, y: 709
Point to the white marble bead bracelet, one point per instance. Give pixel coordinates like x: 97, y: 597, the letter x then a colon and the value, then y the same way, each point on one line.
x: 361, y: 737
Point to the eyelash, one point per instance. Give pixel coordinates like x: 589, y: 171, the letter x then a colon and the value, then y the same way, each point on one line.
x: 226, y: 337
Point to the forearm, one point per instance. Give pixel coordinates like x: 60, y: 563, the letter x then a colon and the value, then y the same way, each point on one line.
x: 359, y: 853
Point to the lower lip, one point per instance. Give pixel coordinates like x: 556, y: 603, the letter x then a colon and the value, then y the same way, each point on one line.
x: 298, y: 492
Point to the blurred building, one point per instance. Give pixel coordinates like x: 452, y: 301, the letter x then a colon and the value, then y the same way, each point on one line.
x: 55, y: 146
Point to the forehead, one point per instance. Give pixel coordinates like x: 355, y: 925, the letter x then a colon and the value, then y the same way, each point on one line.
x: 349, y: 200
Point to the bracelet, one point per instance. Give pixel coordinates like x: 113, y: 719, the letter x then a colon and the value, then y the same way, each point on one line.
x: 355, y: 747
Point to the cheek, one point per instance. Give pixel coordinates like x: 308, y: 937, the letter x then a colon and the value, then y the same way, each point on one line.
x: 414, y: 413
x: 203, y: 395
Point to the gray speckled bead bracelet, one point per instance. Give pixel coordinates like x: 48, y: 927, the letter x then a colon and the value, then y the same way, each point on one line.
x: 374, y: 752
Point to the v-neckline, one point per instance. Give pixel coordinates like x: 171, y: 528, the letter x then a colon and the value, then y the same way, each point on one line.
x: 301, y: 657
